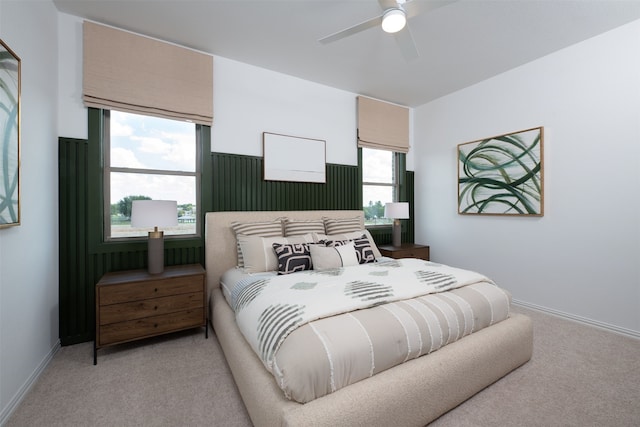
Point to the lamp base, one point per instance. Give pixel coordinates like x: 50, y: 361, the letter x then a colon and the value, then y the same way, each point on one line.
x: 155, y: 252
x: 397, y: 233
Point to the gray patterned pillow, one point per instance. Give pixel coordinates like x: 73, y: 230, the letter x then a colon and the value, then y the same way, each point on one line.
x: 364, y: 252
x: 293, y: 257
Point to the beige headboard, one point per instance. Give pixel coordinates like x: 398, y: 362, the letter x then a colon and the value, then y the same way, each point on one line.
x: 220, y: 242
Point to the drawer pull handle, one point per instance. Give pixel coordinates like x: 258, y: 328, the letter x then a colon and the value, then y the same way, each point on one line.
x: 155, y: 308
x: 155, y: 325
x: 155, y: 290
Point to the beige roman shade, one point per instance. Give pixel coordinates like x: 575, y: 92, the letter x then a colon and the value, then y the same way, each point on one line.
x: 382, y: 125
x: 137, y: 74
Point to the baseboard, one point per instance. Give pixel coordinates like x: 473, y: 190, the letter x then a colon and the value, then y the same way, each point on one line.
x: 22, y: 392
x: 602, y: 325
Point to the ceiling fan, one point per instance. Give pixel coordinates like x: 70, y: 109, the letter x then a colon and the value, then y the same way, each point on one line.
x: 392, y: 20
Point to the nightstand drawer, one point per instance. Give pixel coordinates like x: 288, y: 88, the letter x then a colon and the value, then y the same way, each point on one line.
x: 127, y: 292
x: 410, y: 254
x: 150, y: 326
x: 149, y: 307
x: 407, y: 250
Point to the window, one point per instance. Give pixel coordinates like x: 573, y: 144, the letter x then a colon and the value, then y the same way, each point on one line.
x: 379, y: 183
x: 150, y: 158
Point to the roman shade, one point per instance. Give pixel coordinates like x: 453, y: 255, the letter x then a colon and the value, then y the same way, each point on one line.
x: 137, y: 74
x: 382, y: 125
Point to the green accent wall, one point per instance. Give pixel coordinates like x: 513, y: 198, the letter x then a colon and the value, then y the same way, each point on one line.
x: 84, y: 255
x: 229, y: 183
x: 238, y: 186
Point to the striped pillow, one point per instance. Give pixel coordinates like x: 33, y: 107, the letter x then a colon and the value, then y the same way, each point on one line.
x: 341, y: 226
x: 294, y: 227
x: 262, y: 229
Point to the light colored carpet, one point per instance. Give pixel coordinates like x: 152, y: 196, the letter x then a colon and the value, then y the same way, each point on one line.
x: 578, y: 376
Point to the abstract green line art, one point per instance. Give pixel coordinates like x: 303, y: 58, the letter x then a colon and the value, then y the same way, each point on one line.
x: 9, y: 137
x: 502, y: 175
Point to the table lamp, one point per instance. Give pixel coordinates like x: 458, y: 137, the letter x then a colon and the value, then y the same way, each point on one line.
x: 397, y: 211
x: 154, y: 213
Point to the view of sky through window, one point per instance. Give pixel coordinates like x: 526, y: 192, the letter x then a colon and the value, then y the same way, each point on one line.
x: 144, y: 142
x: 378, y: 179
x: 151, y: 158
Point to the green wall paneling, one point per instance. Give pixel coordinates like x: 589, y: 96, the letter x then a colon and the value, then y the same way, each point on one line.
x: 238, y: 186
x: 84, y: 255
x: 75, y: 298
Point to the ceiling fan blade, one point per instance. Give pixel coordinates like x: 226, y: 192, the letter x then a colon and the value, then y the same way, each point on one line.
x: 388, y: 4
x: 416, y: 7
x: 406, y: 44
x: 373, y: 22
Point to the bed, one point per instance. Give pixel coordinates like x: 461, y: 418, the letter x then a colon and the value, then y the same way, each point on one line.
x: 410, y: 394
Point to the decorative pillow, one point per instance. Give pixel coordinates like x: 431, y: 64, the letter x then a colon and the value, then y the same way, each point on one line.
x: 263, y: 229
x: 363, y: 249
x: 344, y: 225
x: 292, y: 257
x: 258, y: 252
x: 294, y: 227
x: 349, y: 236
x: 325, y: 257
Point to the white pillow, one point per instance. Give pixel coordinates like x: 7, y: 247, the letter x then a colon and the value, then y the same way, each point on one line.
x: 349, y: 236
x: 262, y: 228
x: 324, y: 257
x: 258, y: 253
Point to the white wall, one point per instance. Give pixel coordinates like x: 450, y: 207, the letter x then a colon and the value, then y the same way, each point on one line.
x: 29, y: 252
x: 249, y: 100
x: 583, y: 257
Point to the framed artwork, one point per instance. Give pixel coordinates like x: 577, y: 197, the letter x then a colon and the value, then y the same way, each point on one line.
x: 10, y: 134
x: 291, y: 158
x: 502, y: 175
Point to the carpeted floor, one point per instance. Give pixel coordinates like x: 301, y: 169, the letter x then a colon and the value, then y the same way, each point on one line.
x: 578, y: 376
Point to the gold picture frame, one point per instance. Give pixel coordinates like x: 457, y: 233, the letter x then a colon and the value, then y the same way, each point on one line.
x: 10, y: 134
x: 502, y: 175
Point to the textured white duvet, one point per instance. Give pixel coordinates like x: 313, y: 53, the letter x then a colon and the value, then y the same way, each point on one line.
x: 343, y: 326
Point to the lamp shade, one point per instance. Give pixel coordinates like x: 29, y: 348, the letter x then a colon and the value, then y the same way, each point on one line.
x: 154, y: 213
x: 398, y: 210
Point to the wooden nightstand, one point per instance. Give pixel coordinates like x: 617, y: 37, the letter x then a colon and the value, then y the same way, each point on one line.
x: 406, y: 250
x: 131, y: 305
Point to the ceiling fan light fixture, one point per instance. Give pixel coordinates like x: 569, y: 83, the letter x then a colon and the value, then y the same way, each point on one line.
x: 394, y: 20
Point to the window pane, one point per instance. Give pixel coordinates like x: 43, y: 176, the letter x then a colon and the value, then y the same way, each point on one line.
x: 377, y: 166
x: 145, y: 142
x: 167, y: 149
x: 130, y: 186
x: 374, y: 199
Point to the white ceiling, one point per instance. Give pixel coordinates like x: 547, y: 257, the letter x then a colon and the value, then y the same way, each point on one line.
x: 460, y: 43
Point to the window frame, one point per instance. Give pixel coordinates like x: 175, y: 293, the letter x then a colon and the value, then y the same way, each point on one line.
x: 93, y: 191
x: 399, y: 171
x: 107, y: 169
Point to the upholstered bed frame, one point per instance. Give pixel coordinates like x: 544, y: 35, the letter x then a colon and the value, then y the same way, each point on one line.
x: 411, y: 394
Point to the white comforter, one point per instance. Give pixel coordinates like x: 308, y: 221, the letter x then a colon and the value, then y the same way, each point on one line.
x: 268, y: 309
